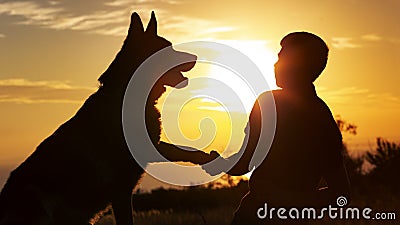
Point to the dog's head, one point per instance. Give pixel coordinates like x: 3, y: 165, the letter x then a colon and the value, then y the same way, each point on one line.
x: 138, y: 46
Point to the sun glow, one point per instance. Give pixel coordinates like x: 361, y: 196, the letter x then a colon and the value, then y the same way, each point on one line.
x: 234, y: 106
x: 263, y: 58
x: 190, y: 118
x: 199, y: 117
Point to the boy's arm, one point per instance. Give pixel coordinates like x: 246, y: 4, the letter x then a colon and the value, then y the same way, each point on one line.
x: 336, y: 177
x: 334, y: 170
x: 239, y: 162
x: 246, y: 152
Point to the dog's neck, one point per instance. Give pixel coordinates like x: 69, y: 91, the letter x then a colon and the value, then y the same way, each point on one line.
x: 153, y: 115
x: 155, y: 93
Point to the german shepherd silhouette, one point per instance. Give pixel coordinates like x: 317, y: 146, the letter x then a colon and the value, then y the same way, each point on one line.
x: 85, y: 165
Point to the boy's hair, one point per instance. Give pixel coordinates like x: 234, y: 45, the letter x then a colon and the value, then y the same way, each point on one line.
x: 314, y: 49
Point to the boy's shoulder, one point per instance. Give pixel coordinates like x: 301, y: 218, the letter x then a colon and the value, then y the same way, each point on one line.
x: 279, y: 96
x: 271, y: 95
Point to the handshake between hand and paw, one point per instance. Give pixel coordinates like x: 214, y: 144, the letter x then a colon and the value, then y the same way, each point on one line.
x: 211, y: 162
x: 214, y: 163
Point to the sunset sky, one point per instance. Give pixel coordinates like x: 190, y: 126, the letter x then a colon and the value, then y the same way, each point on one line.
x: 52, y: 52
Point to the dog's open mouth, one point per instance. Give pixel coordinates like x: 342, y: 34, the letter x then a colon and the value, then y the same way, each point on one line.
x: 183, y: 83
x: 175, y: 78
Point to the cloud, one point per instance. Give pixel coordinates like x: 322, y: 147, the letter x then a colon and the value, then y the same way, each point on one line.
x: 344, y: 42
x: 394, y: 40
x: 30, y: 10
x: 353, y: 96
x: 2, y: 35
x: 371, y: 37
x: 212, y: 108
x: 102, y: 17
x: 130, y: 2
x: 27, y: 91
x: 54, y: 16
x: 343, y: 95
x: 117, y: 3
x: 211, y: 105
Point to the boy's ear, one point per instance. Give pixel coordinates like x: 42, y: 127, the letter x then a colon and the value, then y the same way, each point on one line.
x: 136, y: 26
x: 152, y: 26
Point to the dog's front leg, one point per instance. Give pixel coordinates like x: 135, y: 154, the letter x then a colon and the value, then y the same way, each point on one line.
x: 122, y: 207
x: 186, y: 154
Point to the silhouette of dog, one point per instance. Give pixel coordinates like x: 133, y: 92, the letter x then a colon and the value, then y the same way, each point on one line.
x: 85, y: 164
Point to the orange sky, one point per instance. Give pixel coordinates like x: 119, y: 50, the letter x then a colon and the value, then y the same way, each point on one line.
x: 52, y: 52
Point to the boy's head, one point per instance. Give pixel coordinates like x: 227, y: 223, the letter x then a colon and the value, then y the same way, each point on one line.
x: 302, y: 59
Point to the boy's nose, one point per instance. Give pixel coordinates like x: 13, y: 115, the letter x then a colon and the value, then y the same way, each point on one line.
x: 276, y: 64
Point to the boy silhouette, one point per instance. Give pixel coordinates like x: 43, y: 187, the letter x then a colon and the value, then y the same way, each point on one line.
x: 307, y: 145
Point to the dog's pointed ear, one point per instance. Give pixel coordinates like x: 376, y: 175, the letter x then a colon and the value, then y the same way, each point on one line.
x: 136, y: 27
x: 152, y: 26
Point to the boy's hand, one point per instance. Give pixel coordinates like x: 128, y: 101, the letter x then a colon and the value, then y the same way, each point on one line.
x: 218, y: 165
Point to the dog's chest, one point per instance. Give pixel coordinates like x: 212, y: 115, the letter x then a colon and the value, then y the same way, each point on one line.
x: 153, y: 123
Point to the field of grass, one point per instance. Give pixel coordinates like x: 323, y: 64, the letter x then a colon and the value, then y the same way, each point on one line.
x: 214, y: 204
x: 215, y: 216
x: 220, y: 216
x: 177, y: 208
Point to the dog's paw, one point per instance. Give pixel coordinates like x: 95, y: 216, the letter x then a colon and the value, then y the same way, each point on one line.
x: 214, y: 154
x: 204, y: 158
